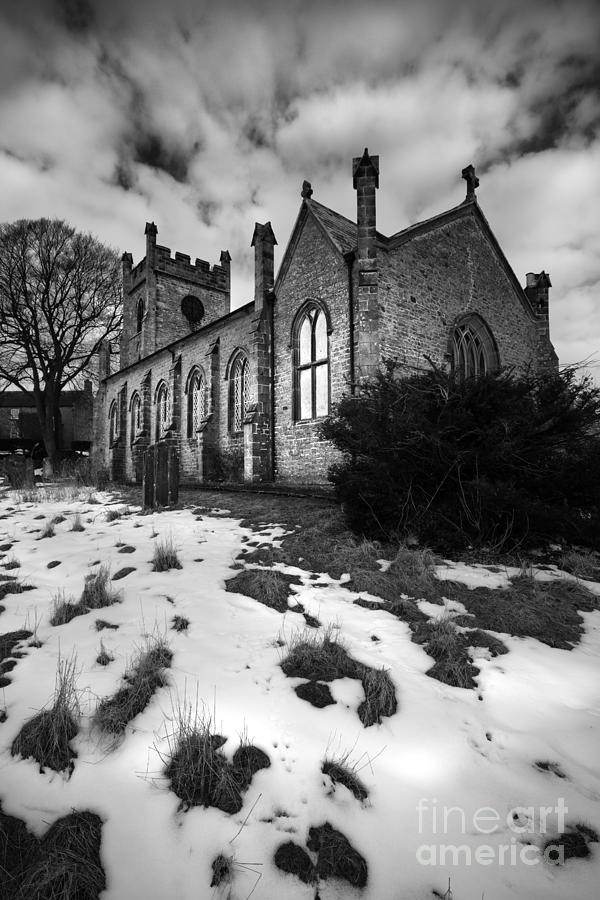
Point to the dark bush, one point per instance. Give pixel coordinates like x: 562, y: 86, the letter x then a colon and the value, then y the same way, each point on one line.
x: 503, y: 460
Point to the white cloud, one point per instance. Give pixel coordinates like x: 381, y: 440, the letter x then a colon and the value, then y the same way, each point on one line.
x: 243, y: 101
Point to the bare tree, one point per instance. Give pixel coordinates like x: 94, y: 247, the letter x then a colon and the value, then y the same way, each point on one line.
x: 60, y: 297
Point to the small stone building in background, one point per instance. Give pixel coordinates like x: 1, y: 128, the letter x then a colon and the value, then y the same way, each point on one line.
x: 240, y: 393
x: 20, y: 425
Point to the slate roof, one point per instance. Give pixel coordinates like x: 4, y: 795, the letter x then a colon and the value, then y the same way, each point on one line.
x: 342, y: 231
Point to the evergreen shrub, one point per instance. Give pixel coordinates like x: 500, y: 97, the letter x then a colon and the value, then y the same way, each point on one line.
x: 503, y: 461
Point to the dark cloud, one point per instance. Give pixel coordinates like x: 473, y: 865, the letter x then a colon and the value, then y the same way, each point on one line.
x: 123, y: 176
x: 151, y: 150
x: 206, y: 117
x: 77, y: 15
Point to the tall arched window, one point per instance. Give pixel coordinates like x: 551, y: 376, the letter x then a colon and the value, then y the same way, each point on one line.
x: 139, y: 318
x: 238, y: 391
x: 196, y: 402
x: 162, y: 410
x: 473, y: 348
x: 113, y: 418
x: 135, y: 416
x: 311, y: 358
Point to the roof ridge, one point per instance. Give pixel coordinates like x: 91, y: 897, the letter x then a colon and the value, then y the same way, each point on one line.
x: 431, y: 219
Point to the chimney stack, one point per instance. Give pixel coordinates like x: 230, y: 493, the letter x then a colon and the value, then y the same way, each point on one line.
x: 263, y: 241
x: 104, y: 361
x: 537, y: 291
x: 365, y: 176
x: 126, y: 267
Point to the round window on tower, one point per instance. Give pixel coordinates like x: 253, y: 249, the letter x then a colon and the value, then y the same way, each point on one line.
x: 193, y: 310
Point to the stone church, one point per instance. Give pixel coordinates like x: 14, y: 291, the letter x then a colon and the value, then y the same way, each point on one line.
x: 240, y: 393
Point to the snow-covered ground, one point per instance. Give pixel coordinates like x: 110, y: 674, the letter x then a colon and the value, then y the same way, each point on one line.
x: 445, y: 748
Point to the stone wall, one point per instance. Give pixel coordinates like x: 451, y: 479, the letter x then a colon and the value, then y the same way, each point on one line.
x: 317, y: 271
x: 201, y: 455
x: 426, y: 283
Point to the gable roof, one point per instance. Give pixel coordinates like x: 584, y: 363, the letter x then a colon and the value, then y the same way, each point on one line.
x: 342, y: 231
x: 343, y: 234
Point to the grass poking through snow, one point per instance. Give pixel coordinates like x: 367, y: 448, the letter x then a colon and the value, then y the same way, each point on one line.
x: 97, y: 594
x: 269, y: 587
x: 199, y: 772
x: 165, y: 556
x: 104, y: 657
x: 64, y: 865
x: 143, y: 677
x: 46, y: 736
x: 77, y: 523
x: 324, y: 657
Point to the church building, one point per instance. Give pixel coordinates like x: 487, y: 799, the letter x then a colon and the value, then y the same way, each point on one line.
x: 240, y: 393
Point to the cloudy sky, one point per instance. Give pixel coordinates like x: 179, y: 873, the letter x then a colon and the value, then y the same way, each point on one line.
x: 206, y: 116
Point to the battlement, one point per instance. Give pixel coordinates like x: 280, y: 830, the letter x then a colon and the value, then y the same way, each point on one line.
x: 199, y: 272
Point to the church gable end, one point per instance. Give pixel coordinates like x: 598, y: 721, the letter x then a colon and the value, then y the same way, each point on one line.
x: 436, y: 278
x: 313, y: 276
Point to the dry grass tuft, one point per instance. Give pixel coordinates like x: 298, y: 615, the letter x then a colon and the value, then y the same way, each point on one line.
x: 77, y: 523
x: 449, y: 650
x: 199, y: 772
x: 9, y: 655
x: 581, y: 563
x: 11, y: 563
x: 269, y: 587
x: 324, y: 657
x: 48, y: 530
x: 165, y: 556
x: 341, y: 771
x: 65, y: 608
x: 113, y: 514
x: 319, y: 657
x: 380, y: 696
x: 104, y: 657
x: 46, y: 736
x: 68, y: 865
x: 337, y: 857
x: 10, y: 585
x: 545, y: 610
x: 143, y: 677
x: 97, y: 591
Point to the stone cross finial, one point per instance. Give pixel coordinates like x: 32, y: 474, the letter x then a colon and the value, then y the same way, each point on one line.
x: 307, y: 190
x: 468, y: 173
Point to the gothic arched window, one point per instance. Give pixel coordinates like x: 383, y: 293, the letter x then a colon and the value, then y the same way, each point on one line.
x: 162, y: 410
x: 113, y: 419
x: 139, y: 318
x: 135, y: 416
x: 196, y: 401
x: 310, y: 343
x: 473, y: 348
x: 238, y: 391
